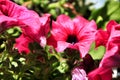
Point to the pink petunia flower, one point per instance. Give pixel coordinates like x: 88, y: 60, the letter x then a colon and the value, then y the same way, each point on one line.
x: 111, y: 59
x: 22, y: 44
x: 32, y: 25
x: 78, y: 34
x: 36, y: 33
x: 37, y: 28
x: 112, y: 55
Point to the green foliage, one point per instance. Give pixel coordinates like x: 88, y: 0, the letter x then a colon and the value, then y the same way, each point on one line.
x: 57, y: 7
x: 110, y: 11
x: 97, y: 53
x: 40, y: 63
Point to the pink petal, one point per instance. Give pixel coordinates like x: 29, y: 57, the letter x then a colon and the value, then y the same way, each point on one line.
x: 36, y: 28
x: 30, y: 22
x: 52, y: 42
x: 7, y: 9
x: 32, y: 25
x: 45, y: 18
x: 22, y: 44
x: 58, y: 30
x: 45, y: 21
x: 88, y: 29
x: 79, y: 23
x: 86, y: 37
x: 115, y: 32
x: 11, y: 9
x: 104, y: 37
x: 112, y: 57
x: 43, y: 41
x: 79, y: 74
x: 74, y: 46
x: 45, y: 28
x: 101, y: 73
x: 84, y: 48
x: 66, y: 22
x: 7, y: 22
x: 110, y: 25
x: 61, y: 46
x: 101, y: 38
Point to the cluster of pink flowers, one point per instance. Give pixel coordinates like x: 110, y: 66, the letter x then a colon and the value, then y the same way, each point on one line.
x: 77, y: 33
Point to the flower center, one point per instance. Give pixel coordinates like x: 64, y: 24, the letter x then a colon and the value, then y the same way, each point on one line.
x: 72, y: 39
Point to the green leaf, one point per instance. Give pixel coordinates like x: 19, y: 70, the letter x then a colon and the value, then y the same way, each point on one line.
x: 114, y: 10
x: 97, y: 53
x: 15, y: 64
x: 112, y: 6
x: 110, y: 11
x: 63, y: 67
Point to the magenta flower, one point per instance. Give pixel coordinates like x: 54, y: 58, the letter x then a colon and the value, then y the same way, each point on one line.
x: 103, y: 36
x: 33, y: 26
x: 111, y: 40
x: 6, y: 15
x: 22, y: 44
x: 112, y: 43
x: 102, y: 73
x: 37, y: 28
x: 112, y: 57
x: 33, y: 33
x: 78, y: 34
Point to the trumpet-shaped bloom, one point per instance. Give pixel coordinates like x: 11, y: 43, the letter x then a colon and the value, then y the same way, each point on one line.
x: 111, y: 40
x: 31, y: 34
x: 37, y: 27
x: 32, y: 25
x: 78, y: 34
x: 112, y: 43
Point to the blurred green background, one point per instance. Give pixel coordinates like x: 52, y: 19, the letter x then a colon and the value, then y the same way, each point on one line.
x: 100, y: 10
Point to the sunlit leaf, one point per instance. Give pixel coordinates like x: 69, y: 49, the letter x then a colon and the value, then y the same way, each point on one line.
x: 97, y: 53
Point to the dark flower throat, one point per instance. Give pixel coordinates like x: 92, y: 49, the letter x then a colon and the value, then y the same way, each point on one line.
x: 72, y: 39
